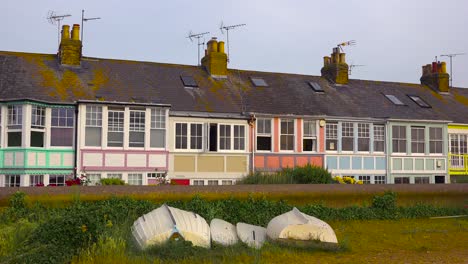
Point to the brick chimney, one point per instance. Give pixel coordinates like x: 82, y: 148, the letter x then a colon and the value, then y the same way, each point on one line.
x: 70, y: 48
x: 335, y: 68
x: 436, y: 77
x: 215, y: 60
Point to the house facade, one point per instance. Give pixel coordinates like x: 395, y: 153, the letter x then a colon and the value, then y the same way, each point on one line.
x: 65, y: 115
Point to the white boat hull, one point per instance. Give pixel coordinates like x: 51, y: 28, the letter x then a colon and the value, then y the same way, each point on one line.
x: 253, y: 236
x: 223, y: 232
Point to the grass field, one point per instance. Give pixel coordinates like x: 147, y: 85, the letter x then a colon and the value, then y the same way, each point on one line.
x: 375, y: 241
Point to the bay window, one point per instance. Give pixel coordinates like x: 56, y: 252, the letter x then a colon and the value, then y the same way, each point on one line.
x: 158, y: 128
x: 287, y: 134
x: 264, y: 134
x: 15, y: 125
x: 137, y: 128
x: 93, y: 126
x: 331, y: 136
x: 61, y: 131
x: 435, y: 140
x: 363, y: 137
x: 417, y: 140
x: 309, y: 141
x: 379, y: 138
x: 399, y: 139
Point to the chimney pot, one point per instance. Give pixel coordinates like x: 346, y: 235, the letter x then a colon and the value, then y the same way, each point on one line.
x: 342, y: 58
x: 65, y: 32
x: 434, y: 67
x: 221, y: 46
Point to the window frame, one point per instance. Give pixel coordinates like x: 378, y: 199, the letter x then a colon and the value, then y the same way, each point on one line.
x: 293, y: 135
x: 352, y: 137
x: 94, y: 119
x: 14, y: 124
x: 57, y: 177
x: 375, y: 135
x: 131, y: 181
x: 332, y: 135
x: 400, y: 139
x: 137, y: 127
x: 189, y: 136
x: 265, y: 135
x: 10, y: 183
x: 312, y: 137
x: 36, y: 179
x: 434, y: 141
x: 117, y: 124
x: 418, y: 140
x: 158, y: 120
x: 231, y: 138
x: 359, y: 136
x: 65, y: 126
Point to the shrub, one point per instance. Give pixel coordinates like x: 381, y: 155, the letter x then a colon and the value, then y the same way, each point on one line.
x: 112, y: 181
x: 308, y: 174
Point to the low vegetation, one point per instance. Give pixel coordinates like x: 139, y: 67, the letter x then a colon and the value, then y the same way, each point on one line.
x: 307, y: 174
x: 112, y: 181
x: 99, y: 232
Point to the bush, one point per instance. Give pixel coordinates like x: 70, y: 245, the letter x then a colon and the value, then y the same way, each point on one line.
x: 112, y: 181
x: 308, y: 174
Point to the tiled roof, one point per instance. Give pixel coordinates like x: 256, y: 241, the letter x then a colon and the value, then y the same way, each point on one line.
x: 40, y: 77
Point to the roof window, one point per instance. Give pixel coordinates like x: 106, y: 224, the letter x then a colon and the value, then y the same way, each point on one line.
x: 259, y: 82
x: 394, y: 99
x: 316, y: 87
x: 419, y: 101
x: 188, y: 81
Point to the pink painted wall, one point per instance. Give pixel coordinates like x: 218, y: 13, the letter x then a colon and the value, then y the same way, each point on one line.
x: 276, y: 134
x: 322, y: 139
x: 299, y: 135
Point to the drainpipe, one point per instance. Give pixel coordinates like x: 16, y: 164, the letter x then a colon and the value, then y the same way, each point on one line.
x: 253, y: 135
x: 76, y: 142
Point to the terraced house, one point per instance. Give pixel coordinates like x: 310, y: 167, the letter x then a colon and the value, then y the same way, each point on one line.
x: 64, y: 115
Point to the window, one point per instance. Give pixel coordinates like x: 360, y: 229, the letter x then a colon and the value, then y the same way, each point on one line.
x: 115, y: 127
x: 188, y: 81
x: 135, y: 179
x: 264, y: 134
x: 189, y: 136
x: 394, y: 99
x: 239, y: 137
x: 287, y: 134
x: 379, y: 179
x: 224, y: 137
x: 316, y: 87
x: 458, y: 147
x: 421, y: 180
x: 379, y: 138
x: 363, y: 137
x: 93, y: 126
x: 309, y: 141
x: 15, y: 125
x: 213, y: 182
x: 36, y: 180
x: 226, y: 182
x: 331, y: 136
x: 61, y: 132
x: 258, y: 82
x: 114, y: 176
x: 12, y: 180
x: 417, y: 140
x: 94, y: 178
x: 365, y: 179
x: 57, y: 180
x: 399, y: 139
x: 419, y: 101
x: 158, y: 128
x: 435, y: 140
x: 137, y: 128
x: 155, y: 175
x: 347, y: 136
x: 37, y: 117
x: 198, y: 182
x: 401, y: 180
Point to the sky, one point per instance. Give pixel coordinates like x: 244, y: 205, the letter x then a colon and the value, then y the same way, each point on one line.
x: 394, y: 38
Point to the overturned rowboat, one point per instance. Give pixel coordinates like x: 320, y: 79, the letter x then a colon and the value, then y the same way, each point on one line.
x: 223, y: 232
x: 165, y: 223
x: 295, y: 225
x: 253, y: 236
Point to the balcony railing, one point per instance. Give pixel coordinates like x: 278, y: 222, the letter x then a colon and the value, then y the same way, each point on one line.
x: 458, y: 163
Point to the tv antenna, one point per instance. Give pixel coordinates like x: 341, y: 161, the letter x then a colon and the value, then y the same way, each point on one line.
x: 198, y: 36
x: 451, y: 56
x: 347, y: 43
x: 53, y: 19
x: 83, y: 19
x: 227, y: 28
x: 351, y: 66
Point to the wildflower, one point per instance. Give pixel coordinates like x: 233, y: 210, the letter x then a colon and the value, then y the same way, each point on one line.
x: 84, y: 228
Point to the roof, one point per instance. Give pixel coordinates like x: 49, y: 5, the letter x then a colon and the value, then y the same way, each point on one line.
x: 40, y: 77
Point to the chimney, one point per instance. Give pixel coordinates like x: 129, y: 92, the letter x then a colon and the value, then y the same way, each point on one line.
x: 436, y: 77
x: 215, y: 60
x: 70, y: 48
x: 335, y: 68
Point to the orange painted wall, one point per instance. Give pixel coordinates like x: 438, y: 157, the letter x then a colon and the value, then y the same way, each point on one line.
x: 322, y: 139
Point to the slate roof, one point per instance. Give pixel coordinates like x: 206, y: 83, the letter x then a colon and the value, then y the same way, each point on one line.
x: 40, y: 77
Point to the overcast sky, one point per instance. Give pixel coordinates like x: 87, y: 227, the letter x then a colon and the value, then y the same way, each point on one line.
x: 394, y: 37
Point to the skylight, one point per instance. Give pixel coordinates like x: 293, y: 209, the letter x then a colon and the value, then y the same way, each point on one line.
x: 394, y: 99
x: 316, y: 87
x: 259, y: 82
x: 188, y: 81
x: 419, y: 101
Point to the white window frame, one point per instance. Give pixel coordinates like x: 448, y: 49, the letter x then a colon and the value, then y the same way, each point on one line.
x: 96, y: 178
x: 264, y: 134
x: 14, y: 123
x: 66, y: 125
x: 93, y: 119
x: 331, y: 133
x: 363, y: 134
x: 114, y: 176
x: 400, y: 139
x: 418, y: 140
x: 116, y: 124
x: 378, y: 137
x: 313, y: 136
x: 293, y: 134
x: 211, y: 182
x: 131, y: 180
x: 137, y: 127
x: 158, y: 122
x: 63, y: 177
x: 365, y: 178
x: 380, y: 179
x: 431, y: 141
x: 189, y: 137
x: 197, y: 182
x: 231, y: 138
x: 345, y: 129
x: 10, y: 183
x: 35, y: 179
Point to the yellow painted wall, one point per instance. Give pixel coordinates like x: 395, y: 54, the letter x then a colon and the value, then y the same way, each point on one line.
x: 210, y: 164
x: 236, y: 164
x: 184, y: 163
